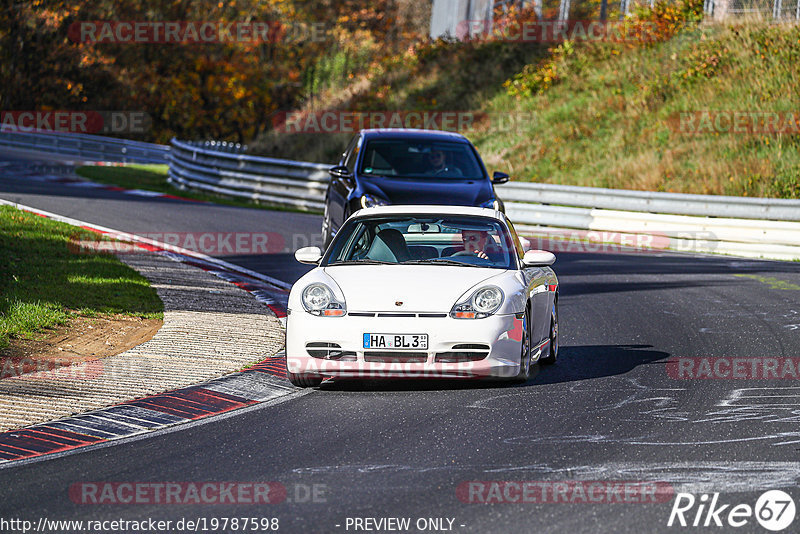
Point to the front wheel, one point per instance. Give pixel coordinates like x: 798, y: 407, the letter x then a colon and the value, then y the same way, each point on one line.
x: 304, y: 380
x: 552, y: 353
x: 525, y: 351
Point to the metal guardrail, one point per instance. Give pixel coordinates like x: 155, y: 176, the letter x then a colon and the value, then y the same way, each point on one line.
x: 90, y: 147
x: 652, y: 202
x: 295, y: 184
x: 753, y: 227
x: 732, y: 225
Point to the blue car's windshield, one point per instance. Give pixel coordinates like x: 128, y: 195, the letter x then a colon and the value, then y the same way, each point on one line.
x: 415, y: 158
x: 419, y: 240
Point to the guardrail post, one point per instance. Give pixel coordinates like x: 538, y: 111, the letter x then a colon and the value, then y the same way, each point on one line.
x: 777, y: 7
x: 797, y: 11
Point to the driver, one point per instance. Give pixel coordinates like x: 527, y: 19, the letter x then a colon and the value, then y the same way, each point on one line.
x: 478, y: 242
x: 438, y: 161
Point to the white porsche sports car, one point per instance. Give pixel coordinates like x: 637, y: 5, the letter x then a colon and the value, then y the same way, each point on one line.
x: 422, y: 292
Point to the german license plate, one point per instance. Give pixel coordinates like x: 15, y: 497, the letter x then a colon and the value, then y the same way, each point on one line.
x: 396, y: 341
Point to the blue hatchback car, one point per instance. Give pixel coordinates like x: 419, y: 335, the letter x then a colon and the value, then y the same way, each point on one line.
x: 405, y: 166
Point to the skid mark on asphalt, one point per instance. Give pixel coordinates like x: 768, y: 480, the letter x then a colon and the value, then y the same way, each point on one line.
x: 688, y: 476
x: 765, y: 404
x: 784, y: 438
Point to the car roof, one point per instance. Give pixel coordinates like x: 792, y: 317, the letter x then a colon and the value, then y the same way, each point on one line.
x: 429, y: 210
x: 412, y: 133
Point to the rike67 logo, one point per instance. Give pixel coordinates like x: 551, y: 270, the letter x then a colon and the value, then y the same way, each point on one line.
x: 774, y: 510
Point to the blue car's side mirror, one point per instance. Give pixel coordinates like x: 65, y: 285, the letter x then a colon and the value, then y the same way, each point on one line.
x: 500, y: 177
x: 340, y: 171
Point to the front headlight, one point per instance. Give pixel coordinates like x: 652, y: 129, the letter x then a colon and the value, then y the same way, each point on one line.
x: 370, y: 201
x: 318, y: 299
x: 487, y: 300
x: 482, y: 303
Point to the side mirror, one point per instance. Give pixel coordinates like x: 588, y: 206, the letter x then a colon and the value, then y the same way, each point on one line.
x: 340, y: 171
x: 538, y: 258
x: 310, y: 255
x: 500, y: 177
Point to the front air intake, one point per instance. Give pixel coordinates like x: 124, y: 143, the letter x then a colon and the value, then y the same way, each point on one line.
x: 378, y: 356
x: 463, y: 352
x: 330, y: 351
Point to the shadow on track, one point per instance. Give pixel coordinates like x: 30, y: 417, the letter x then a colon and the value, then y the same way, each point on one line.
x: 586, y: 362
x: 574, y: 363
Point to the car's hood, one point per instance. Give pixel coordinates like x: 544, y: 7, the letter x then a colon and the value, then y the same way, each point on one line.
x: 420, y: 288
x: 448, y: 191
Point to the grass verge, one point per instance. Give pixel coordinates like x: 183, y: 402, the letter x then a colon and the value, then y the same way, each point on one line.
x: 44, y: 283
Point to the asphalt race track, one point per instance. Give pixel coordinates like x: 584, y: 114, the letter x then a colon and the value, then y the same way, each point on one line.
x: 610, y: 411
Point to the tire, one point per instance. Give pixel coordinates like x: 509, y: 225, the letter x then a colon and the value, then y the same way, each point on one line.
x: 304, y: 380
x: 525, y: 352
x: 552, y: 347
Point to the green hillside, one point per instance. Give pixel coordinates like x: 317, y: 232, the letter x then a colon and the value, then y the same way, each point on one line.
x: 606, y: 114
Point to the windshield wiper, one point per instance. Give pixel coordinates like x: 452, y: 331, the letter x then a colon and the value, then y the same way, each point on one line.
x: 365, y: 261
x: 441, y: 261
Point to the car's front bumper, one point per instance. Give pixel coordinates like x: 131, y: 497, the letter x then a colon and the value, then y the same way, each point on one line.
x: 499, y: 336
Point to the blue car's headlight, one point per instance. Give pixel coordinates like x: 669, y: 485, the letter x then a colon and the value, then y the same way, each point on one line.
x: 491, y: 204
x: 370, y: 201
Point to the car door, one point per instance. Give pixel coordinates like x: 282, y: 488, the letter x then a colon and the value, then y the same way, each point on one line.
x: 341, y: 187
x: 536, y: 282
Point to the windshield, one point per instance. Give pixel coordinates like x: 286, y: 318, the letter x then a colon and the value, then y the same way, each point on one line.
x: 414, y: 158
x: 414, y: 240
